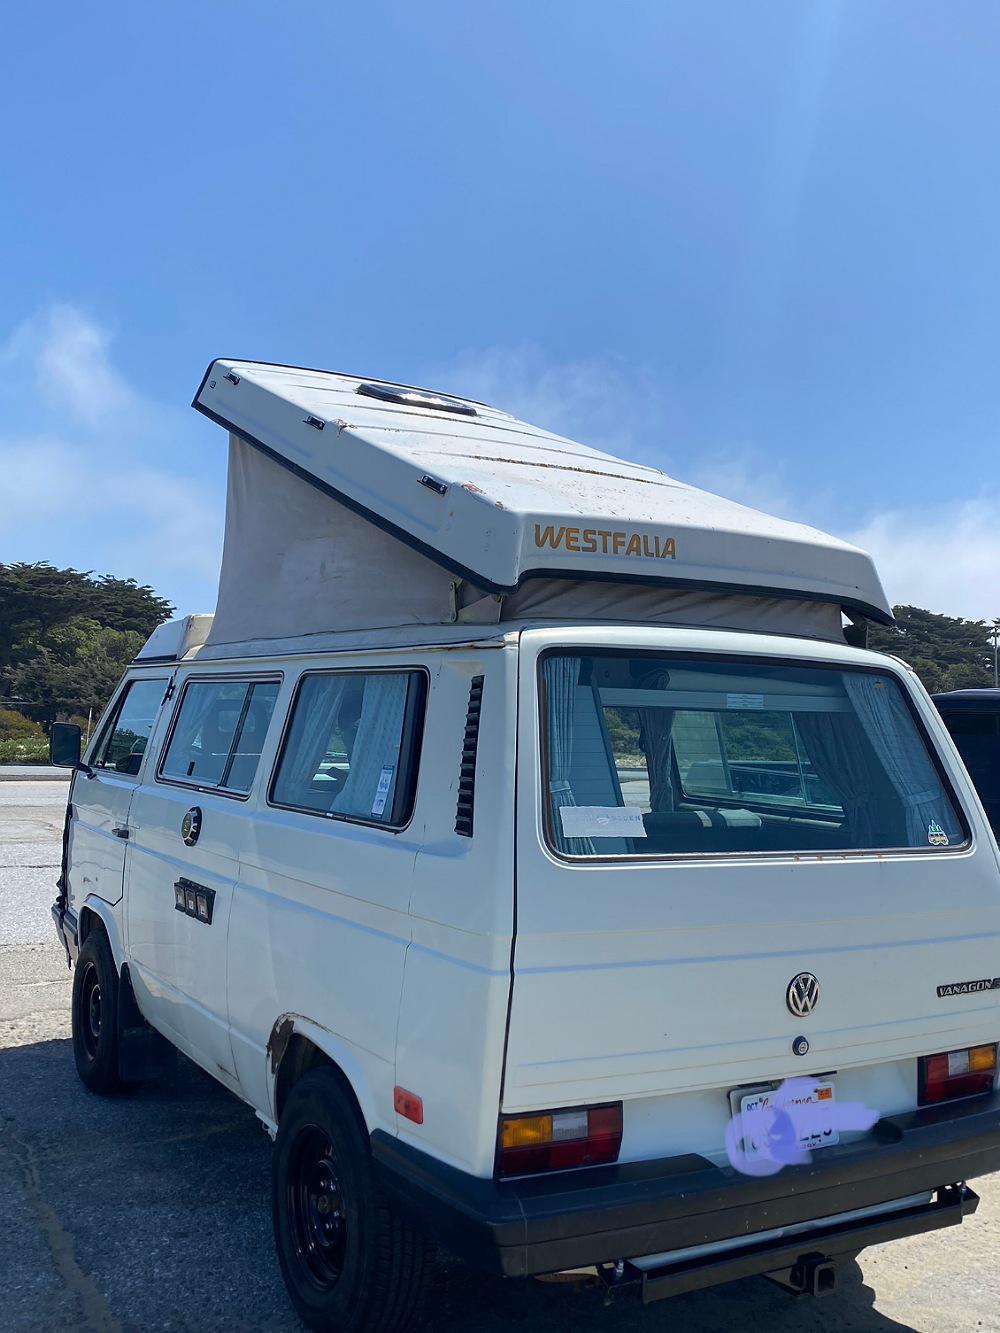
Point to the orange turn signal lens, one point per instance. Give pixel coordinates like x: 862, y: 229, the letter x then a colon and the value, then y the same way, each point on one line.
x: 525, y: 1131
x: 982, y: 1058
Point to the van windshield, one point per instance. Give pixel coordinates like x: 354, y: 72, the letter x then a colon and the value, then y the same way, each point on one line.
x: 650, y: 755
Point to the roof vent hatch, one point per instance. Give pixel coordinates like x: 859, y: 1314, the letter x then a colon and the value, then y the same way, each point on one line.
x: 397, y: 393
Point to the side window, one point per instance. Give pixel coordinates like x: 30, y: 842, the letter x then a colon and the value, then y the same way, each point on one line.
x: 351, y: 747
x: 697, y: 746
x: 749, y: 755
x: 219, y: 732
x: 762, y: 754
x: 122, y: 747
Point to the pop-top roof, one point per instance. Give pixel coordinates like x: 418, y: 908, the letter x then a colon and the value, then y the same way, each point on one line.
x: 496, y: 501
x: 176, y: 639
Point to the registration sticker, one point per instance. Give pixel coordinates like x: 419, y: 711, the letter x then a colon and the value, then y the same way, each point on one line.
x: 382, y: 792
x: 801, y: 1116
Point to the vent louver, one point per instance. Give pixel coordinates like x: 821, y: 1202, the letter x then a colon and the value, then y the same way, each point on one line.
x: 467, y: 776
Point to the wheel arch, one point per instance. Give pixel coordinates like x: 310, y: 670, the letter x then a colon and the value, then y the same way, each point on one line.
x: 95, y: 914
x: 296, y: 1046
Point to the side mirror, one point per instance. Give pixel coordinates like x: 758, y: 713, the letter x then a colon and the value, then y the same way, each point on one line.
x: 64, y: 745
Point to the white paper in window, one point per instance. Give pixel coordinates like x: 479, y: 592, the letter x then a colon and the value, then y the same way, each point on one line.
x: 382, y: 792
x: 744, y: 701
x: 601, y: 821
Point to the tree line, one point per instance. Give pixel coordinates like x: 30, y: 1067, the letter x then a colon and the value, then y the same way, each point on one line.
x: 66, y: 636
x: 946, y: 652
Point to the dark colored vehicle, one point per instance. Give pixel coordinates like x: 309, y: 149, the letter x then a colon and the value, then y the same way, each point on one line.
x: 973, y: 718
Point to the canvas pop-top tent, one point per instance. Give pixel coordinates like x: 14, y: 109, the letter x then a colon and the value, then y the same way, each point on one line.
x: 357, y: 504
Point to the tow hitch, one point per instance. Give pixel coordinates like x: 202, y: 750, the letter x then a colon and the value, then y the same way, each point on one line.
x: 613, y: 1277
x: 786, y: 1260
x: 811, y: 1275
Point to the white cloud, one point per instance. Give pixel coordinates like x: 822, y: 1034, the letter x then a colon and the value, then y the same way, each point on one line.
x: 66, y: 355
x: 609, y: 404
x: 41, y: 477
x: 107, y: 485
x: 600, y: 401
x: 945, y: 558
x: 745, y: 475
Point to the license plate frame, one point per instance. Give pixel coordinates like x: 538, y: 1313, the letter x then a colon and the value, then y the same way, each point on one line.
x: 813, y: 1136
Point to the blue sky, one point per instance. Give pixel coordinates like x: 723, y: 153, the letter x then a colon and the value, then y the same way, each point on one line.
x: 755, y: 244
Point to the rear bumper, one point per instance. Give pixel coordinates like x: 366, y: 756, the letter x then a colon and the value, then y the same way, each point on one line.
x: 599, y: 1215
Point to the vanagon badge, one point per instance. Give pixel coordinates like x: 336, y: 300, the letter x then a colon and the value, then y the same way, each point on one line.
x: 968, y: 987
x: 802, y: 995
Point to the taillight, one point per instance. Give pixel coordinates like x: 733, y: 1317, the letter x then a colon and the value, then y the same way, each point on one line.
x: 956, y: 1074
x: 558, y: 1140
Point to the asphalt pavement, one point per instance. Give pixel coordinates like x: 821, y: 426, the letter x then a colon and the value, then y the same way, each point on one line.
x: 150, y: 1211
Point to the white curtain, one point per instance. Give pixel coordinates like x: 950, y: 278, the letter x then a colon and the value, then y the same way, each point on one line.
x: 836, y: 749
x: 376, y: 747
x: 561, y: 675
x: 315, y: 715
x: 201, y: 700
x: 889, y: 725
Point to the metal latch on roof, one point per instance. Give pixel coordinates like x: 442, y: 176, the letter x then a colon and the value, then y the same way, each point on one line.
x: 232, y: 377
x: 432, y: 484
x: 315, y: 421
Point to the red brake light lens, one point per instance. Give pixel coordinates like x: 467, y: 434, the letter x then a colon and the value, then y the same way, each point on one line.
x: 560, y: 1140
x: 965, y: 1073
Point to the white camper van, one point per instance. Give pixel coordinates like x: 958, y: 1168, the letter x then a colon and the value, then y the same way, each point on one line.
x: 528, y: 841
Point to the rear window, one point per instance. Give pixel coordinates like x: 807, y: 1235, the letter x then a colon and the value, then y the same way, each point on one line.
x: 652, y: 755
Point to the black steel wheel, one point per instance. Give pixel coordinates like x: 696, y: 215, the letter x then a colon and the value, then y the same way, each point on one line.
x: 315, y: 1207
x: 90, y: 1009
x: 95, y: 1014
x: 350, y: 1259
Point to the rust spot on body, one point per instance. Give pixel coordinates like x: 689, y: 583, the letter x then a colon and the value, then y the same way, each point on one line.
x: 277, y: 1043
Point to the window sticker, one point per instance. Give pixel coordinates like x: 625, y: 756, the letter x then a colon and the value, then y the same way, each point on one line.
x: 744, y: 701
x: 601, y: 821
x: 382, y: 792
x: 936, y: 835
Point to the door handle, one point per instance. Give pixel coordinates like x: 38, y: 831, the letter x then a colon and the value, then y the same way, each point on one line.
x: 120, y: 831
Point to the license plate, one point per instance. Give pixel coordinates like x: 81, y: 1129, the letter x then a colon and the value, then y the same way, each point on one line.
x: 809, y: 1110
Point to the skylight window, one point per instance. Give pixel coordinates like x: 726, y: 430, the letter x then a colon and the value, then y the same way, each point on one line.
x: 395, y: 393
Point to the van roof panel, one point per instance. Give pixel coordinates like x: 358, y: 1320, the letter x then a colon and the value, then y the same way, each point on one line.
x: 497, y: 500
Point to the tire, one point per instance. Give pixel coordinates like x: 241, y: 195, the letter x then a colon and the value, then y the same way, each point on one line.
x: 95, y: 1015
x: 350, y: 1259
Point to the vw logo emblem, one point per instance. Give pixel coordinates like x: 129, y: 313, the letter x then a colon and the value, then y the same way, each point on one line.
x: 802, y: 995
x: 191, y: 826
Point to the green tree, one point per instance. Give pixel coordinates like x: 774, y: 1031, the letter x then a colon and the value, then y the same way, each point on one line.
x: 66, y: 637
x: 946, y: 652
